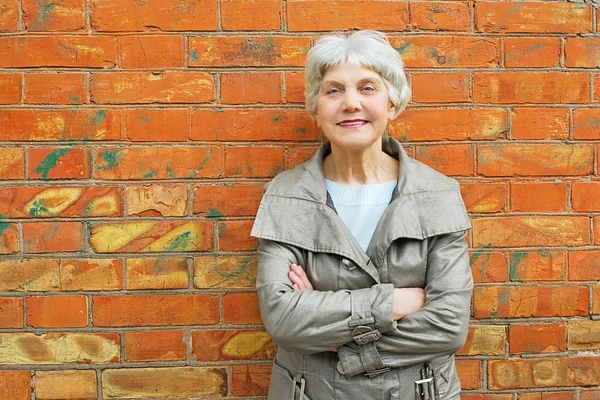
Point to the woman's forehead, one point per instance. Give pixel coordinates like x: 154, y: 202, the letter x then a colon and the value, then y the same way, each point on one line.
x: 350, y: 72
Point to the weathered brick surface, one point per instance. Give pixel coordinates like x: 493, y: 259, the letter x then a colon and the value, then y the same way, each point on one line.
x: 537, y: 338
x: 66, y: 385
x: 157, y: 273
x: 216, y: 345
x: 11, y: 312
x: 524, y: 197
x: 531, y: 52
x: 57, y: 311
x: 487, y: 340
x: 162, y: 345
x: 55, y: 88
x: 488, y: 266
x: 15, y: 384
x: 12, y: 163
x: 225, y: 272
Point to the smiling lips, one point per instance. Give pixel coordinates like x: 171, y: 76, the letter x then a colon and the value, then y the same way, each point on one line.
x: 350, y: 123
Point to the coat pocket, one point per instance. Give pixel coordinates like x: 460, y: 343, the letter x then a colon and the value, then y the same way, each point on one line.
x: 281, y: 385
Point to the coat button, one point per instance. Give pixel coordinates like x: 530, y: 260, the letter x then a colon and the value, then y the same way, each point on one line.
x: 348, y: 264
x: 339, y: 368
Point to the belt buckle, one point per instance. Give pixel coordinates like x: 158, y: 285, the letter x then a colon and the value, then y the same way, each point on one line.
x: 302, y: 384
x: 426, y: 387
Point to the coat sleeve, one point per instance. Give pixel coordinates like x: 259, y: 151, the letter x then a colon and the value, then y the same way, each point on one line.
x: 441, y: 326
x: 312, y: 321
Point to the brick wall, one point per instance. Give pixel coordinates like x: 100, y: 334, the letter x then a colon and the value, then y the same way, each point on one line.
x: 135, y: 136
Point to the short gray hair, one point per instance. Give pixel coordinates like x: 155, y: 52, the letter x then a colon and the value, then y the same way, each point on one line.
x: 368, y: 48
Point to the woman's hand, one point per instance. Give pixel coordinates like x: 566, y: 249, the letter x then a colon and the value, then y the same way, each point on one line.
x: 407, y: 301
x: 299, y: 279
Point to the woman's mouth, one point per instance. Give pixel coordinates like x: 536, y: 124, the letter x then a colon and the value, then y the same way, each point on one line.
x: 353, y: 123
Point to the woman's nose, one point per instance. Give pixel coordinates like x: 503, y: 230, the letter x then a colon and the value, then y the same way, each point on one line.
x: 351, y: 100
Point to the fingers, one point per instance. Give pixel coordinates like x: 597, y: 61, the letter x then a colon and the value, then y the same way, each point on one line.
x: 299, y: 278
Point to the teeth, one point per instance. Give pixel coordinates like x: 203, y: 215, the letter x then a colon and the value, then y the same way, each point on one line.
x: 352, y: 123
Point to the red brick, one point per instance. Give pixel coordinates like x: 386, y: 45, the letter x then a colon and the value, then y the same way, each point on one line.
x: 12, y: 163
x: 531, y: 87
x: 447, y: 51
x: 530, y: 301
x: 253, y: 125
x: 250, y: 380
x: 469, y: 373
x: 235, y: 236
x: 55, y: 88
x: 485, y: 340
x: 163, y: 345
x: 251, y: 88
x: 586, y: 123
x: 155, y: 51
x: 483, y: 197
x: 535, y: 160
x: 440, y: 87
x: 548, y: 396
x: 582, y: 52
x: 158, y: 162
x: 540, y: 123
x: 151, y: 87
x: 440, y: 16
x: 10, y: 87
x: 265, y: 15
x: 157, y: 273
x: 255, y: 162
x: 532, y: 17
x: 307, y: 15
x: 248, y: 51
x: 155, y: 310
x: 24, y: 274
x: 596, y: 300
x: 531, y: 52
x: 157, y: 201
x: 9, y: 16
x: 537, y: 266
x: 469, y: 396
x: 57, y: 311
x: 543, y: 372
x: 488, y: 266
x: 537, y: 338
x: 214, y: 201
x: 294, y: 87
x: 9, y: 238
x: 59, y: 163
x: 584, y: 265
x: 66, y: 385
x: 216, y: 345
x: 156, y: 125
x: 298, y: 155
x: 596, y: 86
x: 531, y: 231
x: 596, y: 230
x: 241, y: 308
x: 524, y: 197
x: 589, y: 395
x: 11, y: 314
x: 583, y: 335
x: 454, y: 159
x: 69, y: 124
x: 164, y: 15
x: 43, y: 16
x: 58, y: 51
x: 90, y: 274
x: 51, y: 237
x: 236, y: 272
x: 15, y: 385
x: 585, y: 196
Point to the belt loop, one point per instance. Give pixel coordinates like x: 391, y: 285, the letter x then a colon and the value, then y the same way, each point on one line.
x: 299, y: 379
x: 426, y: 387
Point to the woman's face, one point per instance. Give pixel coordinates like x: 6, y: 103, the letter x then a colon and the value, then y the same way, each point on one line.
x: 353, y: 107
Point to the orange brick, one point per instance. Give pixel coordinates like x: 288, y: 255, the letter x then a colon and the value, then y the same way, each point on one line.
x: 469, y: 373
x: 250, y: 380
x: 465, y: 396
x: 531, y: 87
x: 235, y: 236
x: 582, y: 52
x: 15, y: 384
x: 163, y: 345
x: 12, y: 163
x: 9, y: 238
x: 90, y: 274
x: 214, y: 201
x: 294, y: 87
x: 540, y: 123
x: 537, y: 338
x: 485, y: 340
x: 447, y: 51
x: 155, y: 310
x: 58, y: 51
x: 11, y: 314
x: 535, y: 160
x: 585, y: 196
x: 157, y: 162
x: 255, y: 162
x: 536, y: 266
x: 589, y: 394
x: 251, y: 88
x: 71, y: 124
x: 10, y: 88
x: 448, y: 159
x: 165, y: 15
x: 25, y: 274
x: 440, y: 16
x: 155, y: 51
x: 524, y: 197
x: 584, y: 265
x: 596, y: 299
x: 241, y: 308
x: 586, y: 124
x: 150, y: 87
x: 156, y: 201
x: 530, y: 301
x: 55, y: 88
x: 596, y: 231
x: 156, y: 273
x: 307, y: 15
x: 9, y: 18
x: 298, y: 155
x: 215, y: 345
x: 65, y: 15
x: 253, y: 125
x: 57, y: 311
x: 59, y: 163
x: 531, y: 231
x: 531, y: 52
x: 532, y: 17
x: 596, y: 85
x: 247, y: 51
x: 583, y: 335
x: 50, y: 237
x: 236, y: 272
x: 156, y: 125
x: 483, y: 197
x: 265, y: 15
x: 66, y: 385
x: 548, y: 396
x: 440, y: 87
x: 488, y: 266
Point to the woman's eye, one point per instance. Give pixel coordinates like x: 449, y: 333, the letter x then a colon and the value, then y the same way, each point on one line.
x: 333, y: 91
x: 368, y: 88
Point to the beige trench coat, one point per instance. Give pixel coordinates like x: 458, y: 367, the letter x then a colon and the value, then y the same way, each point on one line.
x: 419, y: 242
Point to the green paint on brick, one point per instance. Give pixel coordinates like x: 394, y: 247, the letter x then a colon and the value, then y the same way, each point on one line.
x: 50, y: 161
x: 183, y: 242
x: 144, y: 118
x: 39, y: 209
x: 111, y: 159
x: 150, y: 174
x: 193, y: 55
x: 514, y: 265
x: 99, y: 117
x: 3, y: 225
x: 402, y: 49
x: 212, y: 213
x: 243, y: 267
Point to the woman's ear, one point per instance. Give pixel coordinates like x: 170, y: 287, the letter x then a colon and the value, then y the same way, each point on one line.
x: 391, y: 111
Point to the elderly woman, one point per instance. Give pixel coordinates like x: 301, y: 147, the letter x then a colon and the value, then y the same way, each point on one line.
x: 364, y: 279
